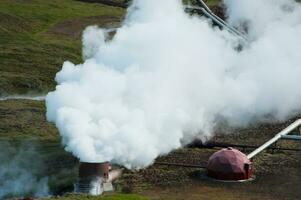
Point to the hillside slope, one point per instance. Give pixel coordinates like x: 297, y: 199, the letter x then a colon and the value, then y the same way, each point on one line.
x: 37, y: 36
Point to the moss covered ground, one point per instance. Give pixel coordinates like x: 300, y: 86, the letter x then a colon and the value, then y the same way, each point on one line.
x: 30, y: 55
x: 36, y: 37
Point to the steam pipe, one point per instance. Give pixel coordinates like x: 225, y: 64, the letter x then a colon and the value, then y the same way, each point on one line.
x: 180, y: 165
x: 219, y: 22
x: 274, y: 139
x: 206, y: 10
x: 216, y: 17
x: 291, y: 137
x: 225, y: 145
x: 203, y: 5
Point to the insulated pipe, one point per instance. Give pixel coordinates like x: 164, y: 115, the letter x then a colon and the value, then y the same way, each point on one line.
x: 243, y: 146
x: 274, y: 139
x: 204, y: 5
x: 220, y: 20
x: 291, y: 137
x: 181, y: 165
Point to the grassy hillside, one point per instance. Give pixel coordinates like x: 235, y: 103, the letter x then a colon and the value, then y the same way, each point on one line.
x: 25, y: 120
x: 37, y: 36
x: 32, y: 50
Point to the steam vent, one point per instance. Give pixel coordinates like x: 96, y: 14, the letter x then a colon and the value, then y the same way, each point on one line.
x: 229, y: 164
x: 95, y: 178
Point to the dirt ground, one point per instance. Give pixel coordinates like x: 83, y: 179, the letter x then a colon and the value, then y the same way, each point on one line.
x: 74, y: 28
x: 116, y: 3
x: 277, y: 173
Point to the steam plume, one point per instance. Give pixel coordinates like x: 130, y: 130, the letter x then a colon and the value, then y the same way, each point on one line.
x: 167, y: 78
x: 21, y: 171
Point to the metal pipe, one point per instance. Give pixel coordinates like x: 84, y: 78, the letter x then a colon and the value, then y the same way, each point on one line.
x: 180, y: 165
x: 291, y: 137
x: 274, y: 139
x: 203, y: 4
x: 219, y: 21
x: 217, y: 18
x: 243, y: 146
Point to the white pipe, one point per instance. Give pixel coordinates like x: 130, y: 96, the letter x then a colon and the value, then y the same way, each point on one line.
x: 285, y: 131
x: 219, y: 21
x: 204, y: 5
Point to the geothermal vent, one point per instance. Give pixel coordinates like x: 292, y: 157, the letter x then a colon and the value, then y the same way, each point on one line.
x: 95, y: 178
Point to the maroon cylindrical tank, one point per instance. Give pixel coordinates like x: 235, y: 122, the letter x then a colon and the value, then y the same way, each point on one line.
x: 229, y: 164
x: 92, y: 170
x: 91, y: 177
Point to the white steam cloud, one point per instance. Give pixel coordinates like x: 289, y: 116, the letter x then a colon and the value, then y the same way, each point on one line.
x: 21, y: 171
x: 167, y: 78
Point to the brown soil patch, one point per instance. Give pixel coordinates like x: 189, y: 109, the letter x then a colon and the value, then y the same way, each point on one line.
x: 278, y: 174
x: 219, y: 10
x: 115, y: 3
x: 74, y: 28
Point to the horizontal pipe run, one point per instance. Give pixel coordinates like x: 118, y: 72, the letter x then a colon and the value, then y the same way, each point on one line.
x: 225, y: 145
x: 291, y: 137
x: 285, y: 131
x: 180, y: 165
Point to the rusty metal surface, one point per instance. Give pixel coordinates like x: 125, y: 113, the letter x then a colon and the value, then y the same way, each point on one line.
x: 91, y: 170
x: 229, y: 164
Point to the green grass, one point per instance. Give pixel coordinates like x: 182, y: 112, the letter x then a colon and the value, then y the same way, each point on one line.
x: 25, y: 120
x: 29, y: 55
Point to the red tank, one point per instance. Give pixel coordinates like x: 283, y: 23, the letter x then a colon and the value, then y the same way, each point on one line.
x: 94, y: 170
x: 229, y: 164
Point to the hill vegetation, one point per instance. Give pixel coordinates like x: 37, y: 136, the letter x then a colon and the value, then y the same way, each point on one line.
x: 31, y: 52
x: 36, y: 37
